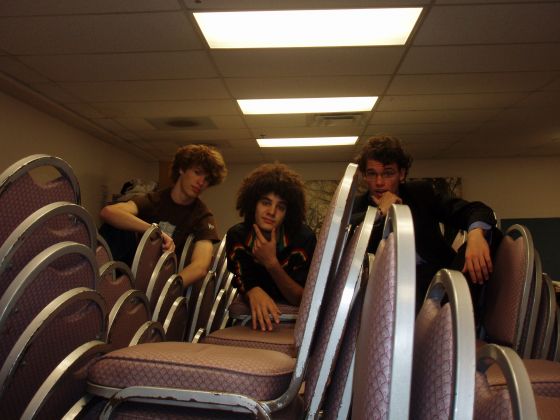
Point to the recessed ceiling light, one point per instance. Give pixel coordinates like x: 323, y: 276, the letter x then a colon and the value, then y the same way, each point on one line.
x: 308, y: 28
x: 306, y: 105
x: 308, y: 141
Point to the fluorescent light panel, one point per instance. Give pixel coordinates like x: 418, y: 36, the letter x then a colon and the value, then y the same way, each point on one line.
x: 308, y: 141
x: 308, y: 28
x: 306, y: 105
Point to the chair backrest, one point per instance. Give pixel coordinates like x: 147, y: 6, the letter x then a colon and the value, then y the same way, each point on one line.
x: 165, y: 268
x: 130, y: 312
x: 533, y: 308
x: 509, y: 288
x: 219, y: 306
x: 219, y: 265
x: 149, y: 332
x: 172, y: 289
x: 335, y: 313
x: 175, y: 324
x: 443, y: 376
x: 102, y: 251
x: 53, y: 223
x: 70, y: 320
x: 115, y: 278
x: 517, y: 400
x: 545, y: 320
x: 327, y: 250
x: 146, y: 257
x: 66, y: 384
x: 202, y: 305
x: 55, y: 270
x: 186, y: 252
x: 28, y: 185
x: 554, y: 350
x: 384, y: 345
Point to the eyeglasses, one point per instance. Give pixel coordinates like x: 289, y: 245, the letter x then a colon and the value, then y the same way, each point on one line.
x: 383, y: 175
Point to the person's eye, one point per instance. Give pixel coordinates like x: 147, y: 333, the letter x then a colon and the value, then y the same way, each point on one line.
x: 282, y: 208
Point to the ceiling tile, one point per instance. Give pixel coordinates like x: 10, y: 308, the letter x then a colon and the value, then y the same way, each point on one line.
x: 469, y: 83
x: 464, y: 116
x: 198, y: 135
x: 306, y: 87
x: 307, y: 61
x: 169, y: 31
x: 137, y: 66
x: 151, y: 90
x: 490, y: 23
x: 482, y: 58
x: 63, y: 7
x: 425, y: 128
x: 20, y: 71
x: 448, y: 102
x: 158, y: 109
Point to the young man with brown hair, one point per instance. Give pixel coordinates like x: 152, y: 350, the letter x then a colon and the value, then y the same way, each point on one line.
x: 178, y: 210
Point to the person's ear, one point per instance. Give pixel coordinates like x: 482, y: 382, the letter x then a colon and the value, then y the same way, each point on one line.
x: 402, y: 175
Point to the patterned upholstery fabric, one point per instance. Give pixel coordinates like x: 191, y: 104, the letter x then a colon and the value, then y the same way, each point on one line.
x: 491, y: 404
x: 374, y: 352
x: 260, y: 374
x: 433, y: 372
x: 70, y: 385
x: 175, y: 323
x: 127, y: 318
x: 544, y: 376
x: 331, y: 304
x: 167, y: 269
x: 65, y: 273
x: 280, y: 339
x: 56, y: 229
x: 172, y: 289
x: 335, y: 391
x: 102, y: 255
x: 505, y: 291
x: 49, y: 347
x: 145, y: 259
x: 113, y: 283
x: 313, y: 272
x: 23, y: 196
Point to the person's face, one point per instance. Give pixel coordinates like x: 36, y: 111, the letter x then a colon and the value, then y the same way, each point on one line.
x: 381, y: 178
x: 270, y: 212
x: 194, y: 181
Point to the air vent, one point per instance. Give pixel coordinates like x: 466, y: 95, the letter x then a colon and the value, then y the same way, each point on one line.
x: 182, y: 123
x: 342, y: 119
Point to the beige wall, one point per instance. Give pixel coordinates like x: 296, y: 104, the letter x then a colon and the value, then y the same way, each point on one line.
x: 100, y: 167
x: 514, y: 188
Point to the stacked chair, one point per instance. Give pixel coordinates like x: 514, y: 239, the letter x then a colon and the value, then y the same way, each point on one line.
x: 52, y: 321
x: 229, y: 378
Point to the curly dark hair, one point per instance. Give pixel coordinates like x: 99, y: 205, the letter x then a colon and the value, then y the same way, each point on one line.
x: 385, y: 149
x: 207, y: 157
x: 280, y: 180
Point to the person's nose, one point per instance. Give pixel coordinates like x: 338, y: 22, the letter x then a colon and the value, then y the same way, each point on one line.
x: 272, y: 210
x: 379, y: 181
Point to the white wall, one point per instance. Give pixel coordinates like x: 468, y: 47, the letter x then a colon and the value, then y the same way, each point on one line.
x: 101, y: 168
x: 514, y: 188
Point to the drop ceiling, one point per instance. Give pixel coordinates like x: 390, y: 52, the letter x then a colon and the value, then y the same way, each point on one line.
x: 475, y: 79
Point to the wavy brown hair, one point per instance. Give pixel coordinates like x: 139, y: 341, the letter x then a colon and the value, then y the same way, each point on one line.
x: 278, y: 179
x: 385, y: 149
x: 207, y: 157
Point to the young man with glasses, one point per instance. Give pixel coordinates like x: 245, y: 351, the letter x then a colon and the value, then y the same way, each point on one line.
x: 384, y: 165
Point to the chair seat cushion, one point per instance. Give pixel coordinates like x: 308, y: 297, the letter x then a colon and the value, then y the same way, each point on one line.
x: 543, y: 374
x: 259, y: 374
x: 280, y: 339
x: 547, y: 407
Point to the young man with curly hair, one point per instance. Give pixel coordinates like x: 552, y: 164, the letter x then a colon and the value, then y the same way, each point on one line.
x: 270, y: 251
x: 384, y: 165
x: 178, y: 210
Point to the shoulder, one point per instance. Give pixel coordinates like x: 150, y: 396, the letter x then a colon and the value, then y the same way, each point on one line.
x: 304, y: 235
x: 151, y: 198
x: 237, y: 229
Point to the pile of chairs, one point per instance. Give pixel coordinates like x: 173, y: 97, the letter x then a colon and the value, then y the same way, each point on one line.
x: 84, y: 336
